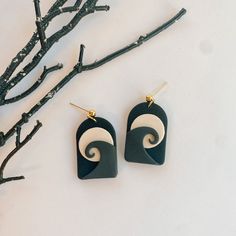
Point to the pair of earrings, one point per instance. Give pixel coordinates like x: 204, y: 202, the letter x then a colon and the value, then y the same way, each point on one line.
x: 145, y: 140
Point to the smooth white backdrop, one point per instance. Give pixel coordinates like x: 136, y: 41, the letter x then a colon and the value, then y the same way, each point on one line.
x: 194, y: 192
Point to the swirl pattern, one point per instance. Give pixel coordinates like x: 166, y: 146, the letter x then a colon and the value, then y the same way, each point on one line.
x: 96, y: 150
x: 135, y: 139
x: 146, y: 135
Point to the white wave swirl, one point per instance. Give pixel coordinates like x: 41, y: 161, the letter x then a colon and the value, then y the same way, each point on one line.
x: 91, y: 135
x: 152, y: 121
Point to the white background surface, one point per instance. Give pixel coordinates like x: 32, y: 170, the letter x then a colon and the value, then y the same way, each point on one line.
x: 194, y: 192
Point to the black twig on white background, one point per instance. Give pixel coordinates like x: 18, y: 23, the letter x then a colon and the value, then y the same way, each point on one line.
x: 19, y: 145
x: 7, y: 82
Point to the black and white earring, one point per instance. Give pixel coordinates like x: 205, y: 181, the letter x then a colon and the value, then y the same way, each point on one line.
x: 96, y: 148
x: 147, y: 132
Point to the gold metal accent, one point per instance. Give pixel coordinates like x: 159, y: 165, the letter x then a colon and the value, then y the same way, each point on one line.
x: 150, y: 98
x: 91, y: 114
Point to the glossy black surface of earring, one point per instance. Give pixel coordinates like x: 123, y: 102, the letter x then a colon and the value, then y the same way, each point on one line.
x: 96, y: 149
x: 146, y: 134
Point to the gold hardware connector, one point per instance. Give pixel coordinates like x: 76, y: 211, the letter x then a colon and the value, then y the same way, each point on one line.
x: 91, y: 114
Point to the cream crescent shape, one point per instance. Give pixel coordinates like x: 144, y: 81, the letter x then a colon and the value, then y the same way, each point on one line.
x: 91, y: 135
x: 152, y: 121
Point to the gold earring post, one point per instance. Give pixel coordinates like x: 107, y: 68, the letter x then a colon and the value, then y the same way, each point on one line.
x: 91, y: 114
x: 150, y: 98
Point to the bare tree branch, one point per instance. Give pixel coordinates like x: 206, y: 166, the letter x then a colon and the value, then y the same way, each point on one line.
x: 30, y: 45
x: 7, y: 83
x: 19, y: 145
x: 43, y: 76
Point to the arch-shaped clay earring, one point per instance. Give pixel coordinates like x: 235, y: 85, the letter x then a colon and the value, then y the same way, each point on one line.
x: 96, y: 148
x: 147, y: 132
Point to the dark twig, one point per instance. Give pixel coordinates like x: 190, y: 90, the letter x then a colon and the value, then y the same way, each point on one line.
x: 39, y: 25
x: 6, y: 84
x: 81, y: 54
x: 19, y: 145
x: 16, y: 61
x: 102, y: 8
x: 18, y: 132
x: 10, y: 179
x: 57, y: 4
x: 79, y: 68
x: 139, y: 42
x: 78, y: 3
x: 49, y: 17
x: 43, y: 76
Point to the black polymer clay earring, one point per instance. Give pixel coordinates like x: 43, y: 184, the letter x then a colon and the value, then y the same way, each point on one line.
x: 147, y: 132
x: 96, y: 148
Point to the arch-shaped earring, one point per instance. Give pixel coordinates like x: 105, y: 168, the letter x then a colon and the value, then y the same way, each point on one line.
x: 96, y: 147
x: 147, y: 132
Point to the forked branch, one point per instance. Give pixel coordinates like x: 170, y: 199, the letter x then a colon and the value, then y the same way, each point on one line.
x: 19, y: 145
x: 16, y: 61
x: 6, y: 82
x: 43, y: 76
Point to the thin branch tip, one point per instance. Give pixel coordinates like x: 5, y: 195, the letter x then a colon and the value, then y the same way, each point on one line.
x: 81, y: 55
x: 38, y: 124
x: 102, y: 8
x: 183, y: 10
x: 60, y: 65
x: 10, y: 179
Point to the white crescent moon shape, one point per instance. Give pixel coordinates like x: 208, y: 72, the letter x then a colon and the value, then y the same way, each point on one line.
x: 152, y: 121
x: 91, y: 135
